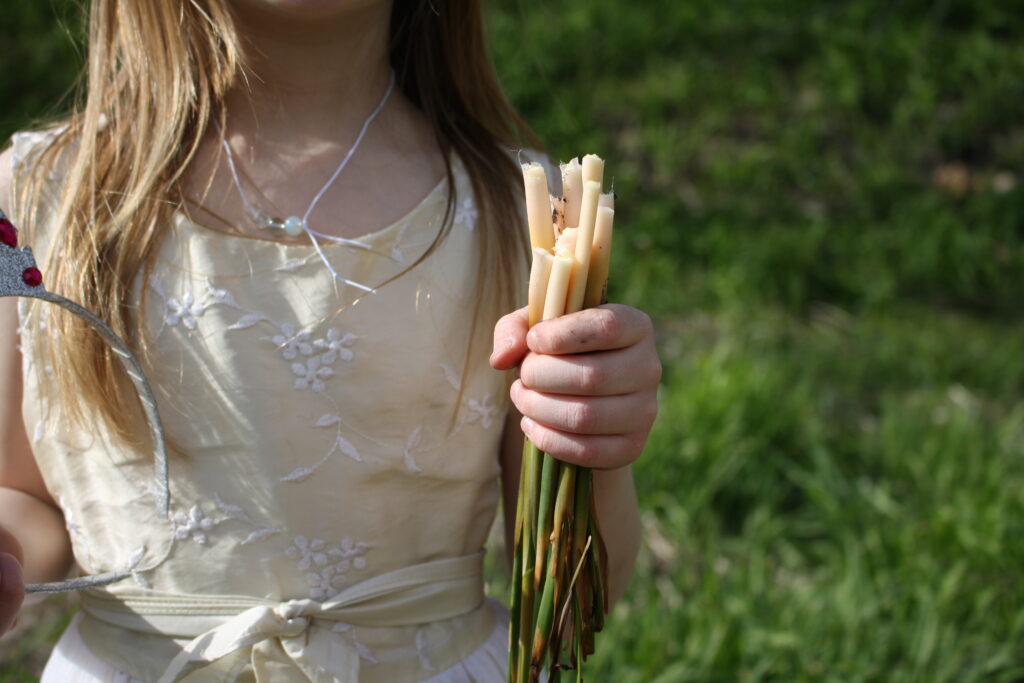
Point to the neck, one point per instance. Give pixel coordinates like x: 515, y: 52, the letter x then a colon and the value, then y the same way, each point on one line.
x: 310, y: 84
x: 314, y: 77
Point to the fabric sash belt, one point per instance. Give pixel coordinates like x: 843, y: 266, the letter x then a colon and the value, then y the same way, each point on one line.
x: 293, y: 640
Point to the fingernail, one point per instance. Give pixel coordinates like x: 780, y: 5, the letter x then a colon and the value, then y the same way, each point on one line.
x: 527, y: 424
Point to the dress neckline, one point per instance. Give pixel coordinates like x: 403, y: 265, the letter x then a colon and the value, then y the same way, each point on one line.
x: 435, y: 194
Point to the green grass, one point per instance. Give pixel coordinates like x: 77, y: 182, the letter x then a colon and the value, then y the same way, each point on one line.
x: 818, y: 511
x: 821, y: 206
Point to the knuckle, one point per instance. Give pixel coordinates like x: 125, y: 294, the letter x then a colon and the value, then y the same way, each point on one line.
x: 543, y: 439
x: 524, y: 400
x: 608, y: 323
x: 527, y: 373
x: 590, y: 377
x: 544, y: 336
x: 579, y: 416
x: 514, y: 392
x: 534, y: 370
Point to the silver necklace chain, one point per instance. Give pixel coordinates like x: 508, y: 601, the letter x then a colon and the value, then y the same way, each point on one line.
x: 294, y: 225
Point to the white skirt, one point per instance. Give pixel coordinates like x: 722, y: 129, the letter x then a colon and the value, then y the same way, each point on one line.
x: 72, y: 662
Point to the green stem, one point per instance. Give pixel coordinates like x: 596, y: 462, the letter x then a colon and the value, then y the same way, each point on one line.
x: 545, y: 614
x: 581, y: 513
x: 548, y: 477
x: 578, y: 642
x: 531, y: 475
x: 599, y: 559
x: 515, y: 603
x: 516, y: 584
x: 562, y: 530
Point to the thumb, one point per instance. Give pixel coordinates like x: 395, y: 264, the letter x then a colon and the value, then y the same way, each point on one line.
x: 510, y: 340
x: 12, y: 590
x: 10, y: 545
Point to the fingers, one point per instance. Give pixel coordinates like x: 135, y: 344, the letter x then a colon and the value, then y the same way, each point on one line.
x: 588, y: 415
x: 602, y: 373
x: 588, y: 382
x: 12, y: 590
x: 607, y: 327
x: 586, y: 450
x: 510, y: 340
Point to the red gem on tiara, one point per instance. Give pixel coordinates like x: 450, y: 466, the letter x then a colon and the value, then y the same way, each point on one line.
x: 32, y: 277
x: 8, y: 235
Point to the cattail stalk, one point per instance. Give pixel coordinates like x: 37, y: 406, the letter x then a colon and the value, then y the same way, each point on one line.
x: 558, y: 586
x: 538, y: 206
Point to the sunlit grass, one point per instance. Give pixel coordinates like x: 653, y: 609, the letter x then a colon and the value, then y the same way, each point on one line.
x: 821, y: 208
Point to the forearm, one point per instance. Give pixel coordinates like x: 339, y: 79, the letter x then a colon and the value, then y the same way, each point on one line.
x: 39, y: 529
x: 618, y: 517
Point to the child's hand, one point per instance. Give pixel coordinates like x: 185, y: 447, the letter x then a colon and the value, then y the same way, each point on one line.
x: 587, y: 384
x: 12, y: 586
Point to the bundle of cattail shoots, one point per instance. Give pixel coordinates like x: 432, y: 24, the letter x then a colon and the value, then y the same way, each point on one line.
x: 558, y: 591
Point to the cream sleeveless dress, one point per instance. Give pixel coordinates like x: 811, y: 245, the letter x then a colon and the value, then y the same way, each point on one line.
x: 338, y: 475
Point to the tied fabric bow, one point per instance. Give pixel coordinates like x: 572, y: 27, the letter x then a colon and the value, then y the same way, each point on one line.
x: 298, y: 639
x: 290, y: 629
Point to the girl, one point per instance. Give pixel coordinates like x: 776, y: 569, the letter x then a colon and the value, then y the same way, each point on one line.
x: 304, y: 214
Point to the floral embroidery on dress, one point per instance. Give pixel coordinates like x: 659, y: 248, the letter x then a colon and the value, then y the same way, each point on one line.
x: 421, y: 649
x: 410, y: 445
x: 195, y: 524
x: 39, y: 431
x: 326, y: 567
x: 482, y: 411
x: 364, y: 652
x: 78, y: 538
x: 452, y: 376
x: 292, y: 342
x: 237, y: 513
x: 188, y: 308
x: 185, y: 311
x: 310, y: 368
x: 396, y: 250
x: 336, y: 345
x: 311, y: 374
x: 247, y: 320
x: 340, y: 443
x: 466, y: 213
x: 294, y: 263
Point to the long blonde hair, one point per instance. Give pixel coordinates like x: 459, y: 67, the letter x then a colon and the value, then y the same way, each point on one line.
x: 156, y: 80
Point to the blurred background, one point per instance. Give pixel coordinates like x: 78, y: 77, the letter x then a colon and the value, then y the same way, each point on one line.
x: 822, y: 206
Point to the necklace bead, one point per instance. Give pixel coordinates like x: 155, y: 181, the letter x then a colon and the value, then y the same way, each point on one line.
x: 293, y: 225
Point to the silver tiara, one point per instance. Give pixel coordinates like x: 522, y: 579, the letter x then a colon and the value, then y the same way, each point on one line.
x: 19, y: 276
